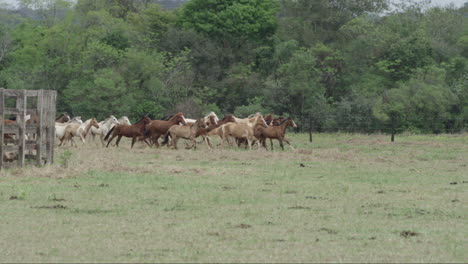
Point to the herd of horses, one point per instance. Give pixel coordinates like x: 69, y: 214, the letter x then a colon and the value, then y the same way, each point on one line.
x: 241, y: 132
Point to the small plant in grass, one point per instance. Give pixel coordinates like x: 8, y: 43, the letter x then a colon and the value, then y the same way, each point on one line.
x: 64, y: 158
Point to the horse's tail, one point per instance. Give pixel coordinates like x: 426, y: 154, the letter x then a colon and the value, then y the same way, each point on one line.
x: 109, y: 133
x: 166, y: 139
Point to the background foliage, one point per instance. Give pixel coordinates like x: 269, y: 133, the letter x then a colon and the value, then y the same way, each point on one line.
x: 332, y: 65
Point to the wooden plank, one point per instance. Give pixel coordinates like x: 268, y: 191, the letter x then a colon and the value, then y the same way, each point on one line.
x: 32, y: 112
x: 11, y: 111
x: 2, y: 97
x: 52, y: 113
x: 13, y: 93
x: 21, y: 104
x: 10, y: 148
x: 31, y: 93
x: 40, y: 126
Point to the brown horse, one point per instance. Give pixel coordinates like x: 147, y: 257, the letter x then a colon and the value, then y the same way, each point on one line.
x: 277, y: 121
x: 274, y: 132
x: 63, y: 118
x: 188, y: 131
x: 157, y: 128
x: 133, y: 131
x: 269, y: 119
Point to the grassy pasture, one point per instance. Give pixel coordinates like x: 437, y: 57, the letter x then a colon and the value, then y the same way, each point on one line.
x: 344, y: 198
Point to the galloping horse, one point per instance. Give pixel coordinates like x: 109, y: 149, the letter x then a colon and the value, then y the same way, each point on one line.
x: 274, y: 132
x: 60, y: 127
x: 104, y: 127
x: 188, y: 131
x: 157, y: 128
x: 134, y: 131
x: 78, y: 130
x: 243, y: 130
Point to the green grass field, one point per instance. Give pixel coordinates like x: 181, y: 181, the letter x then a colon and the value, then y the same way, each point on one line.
x: 344, y: 198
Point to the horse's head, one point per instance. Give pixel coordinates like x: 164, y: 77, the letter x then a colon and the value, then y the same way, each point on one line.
x: 124, y: 120
x: 179, y: 118
x: 94, y: 122
x: 291, y: 122
x: 229, y: 118
x: 260, y: 120
x: 211, y: 121
x: 113, y: 120
x: 213, y: 114
x: 269, y: 119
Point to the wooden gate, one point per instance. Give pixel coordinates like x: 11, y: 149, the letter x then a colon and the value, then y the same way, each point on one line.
x: 27, y: 141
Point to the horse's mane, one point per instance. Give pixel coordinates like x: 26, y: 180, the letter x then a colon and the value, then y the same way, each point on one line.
x: 174, y: 116
x: 141, y: 119
x: 282, y: 121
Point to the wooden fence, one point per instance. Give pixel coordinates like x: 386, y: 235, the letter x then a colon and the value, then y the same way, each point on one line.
x: 27, y: 141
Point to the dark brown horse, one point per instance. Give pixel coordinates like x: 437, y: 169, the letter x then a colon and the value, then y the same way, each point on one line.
x: 158, y: 128
x: 277, y: 121
x: 134, y: 131
x: 269, y: 119
x: 274, y: 132
x: 63, y: 118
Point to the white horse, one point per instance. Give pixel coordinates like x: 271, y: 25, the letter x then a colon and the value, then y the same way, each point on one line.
x: 104, y: 127
x: 60, y: 127
x: 123, y: 120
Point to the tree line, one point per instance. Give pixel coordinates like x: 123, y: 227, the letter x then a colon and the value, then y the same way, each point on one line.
x: 358, y: 66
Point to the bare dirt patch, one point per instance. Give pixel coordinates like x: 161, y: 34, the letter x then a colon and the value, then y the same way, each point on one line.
x: 407, y: 234
x: 243, y: 226
x: 57, y: 206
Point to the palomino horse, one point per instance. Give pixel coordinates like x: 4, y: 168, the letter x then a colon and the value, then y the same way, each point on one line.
x: 63, y: 118
x: 78, y: 130
x: 203, y: 132
x: 243, y: 130
x: 217, y: 130
x: 60, y: 127
x: 274, y: 132
x: 205, y: 119
x: 132, y: 131
x: 104, y: 127
x: 188, y: 131
x: 157, y: 128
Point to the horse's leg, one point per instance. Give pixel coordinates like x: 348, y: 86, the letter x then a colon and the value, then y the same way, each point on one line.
x: 133, y: 141
x: 281, y: 143
x: 118, y: 140
x: 110, y: 139
x: 102, y: 140
x: 155, y: 140
x: 207, y: 141
x: 82, y: 139
x: 194, y: 145
x: 287, y: 141
x: 271, y: 143
x: 174, y: 142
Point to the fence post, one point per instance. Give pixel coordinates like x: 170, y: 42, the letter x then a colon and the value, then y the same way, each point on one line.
x: 39, y: 126
x: 310, y: 129
x: 2, y: 121
x: 21, y: 105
